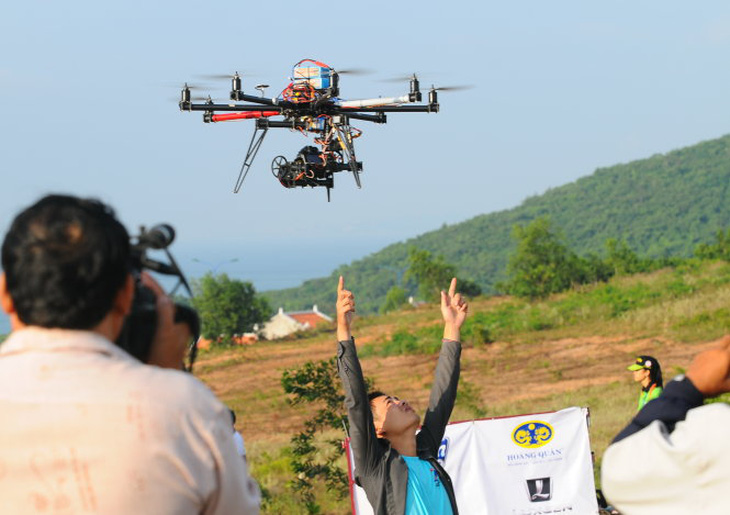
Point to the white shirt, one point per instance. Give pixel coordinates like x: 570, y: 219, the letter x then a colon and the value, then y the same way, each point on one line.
x: 653, y: 472
x: 238, y: 440
x: 86, y: 428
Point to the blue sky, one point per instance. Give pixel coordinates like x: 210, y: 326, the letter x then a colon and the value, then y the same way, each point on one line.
x: 88, y: 94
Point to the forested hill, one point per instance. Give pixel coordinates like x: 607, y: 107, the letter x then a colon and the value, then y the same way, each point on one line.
x: 661, y: 206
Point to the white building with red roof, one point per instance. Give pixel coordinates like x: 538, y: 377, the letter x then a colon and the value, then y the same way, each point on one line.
x: 283, y: 324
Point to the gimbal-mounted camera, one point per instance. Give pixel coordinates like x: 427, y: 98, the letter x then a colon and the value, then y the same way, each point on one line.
x: 139, y: 328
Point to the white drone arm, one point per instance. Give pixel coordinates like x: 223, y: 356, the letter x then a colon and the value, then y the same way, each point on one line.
x: 375, y: 102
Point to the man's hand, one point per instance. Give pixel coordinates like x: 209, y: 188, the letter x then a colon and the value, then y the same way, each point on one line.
x: 454, y: 310
x: 171, y: 340
x: 710, y: 370
x: 345, y: 311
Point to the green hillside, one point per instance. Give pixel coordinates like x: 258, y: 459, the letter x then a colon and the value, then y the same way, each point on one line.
x: 570, y: 349
x: 661, y: 206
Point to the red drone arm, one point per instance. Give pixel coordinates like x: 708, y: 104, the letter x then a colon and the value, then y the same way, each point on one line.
x: 242, y: 116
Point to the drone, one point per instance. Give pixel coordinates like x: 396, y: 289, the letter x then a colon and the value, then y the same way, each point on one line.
x: 309, y: 104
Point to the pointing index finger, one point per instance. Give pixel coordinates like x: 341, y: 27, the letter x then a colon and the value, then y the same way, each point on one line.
x: 341, y: 285
x: 452, y: 287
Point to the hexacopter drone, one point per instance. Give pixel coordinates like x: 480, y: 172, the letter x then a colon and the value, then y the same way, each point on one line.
x: 309, y: 104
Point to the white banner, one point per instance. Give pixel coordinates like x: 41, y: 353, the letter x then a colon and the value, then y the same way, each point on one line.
x: 522, y: 465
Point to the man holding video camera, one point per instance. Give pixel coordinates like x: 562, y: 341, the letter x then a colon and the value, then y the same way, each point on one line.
x: 87, y: 427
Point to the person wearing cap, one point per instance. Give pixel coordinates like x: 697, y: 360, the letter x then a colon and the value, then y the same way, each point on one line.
x: 648, y: 373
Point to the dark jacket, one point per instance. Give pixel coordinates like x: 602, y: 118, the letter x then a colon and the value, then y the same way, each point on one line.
x: 380, y: 470
x: 671, y: 407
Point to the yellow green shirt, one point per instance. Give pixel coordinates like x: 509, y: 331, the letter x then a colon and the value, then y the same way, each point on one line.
x: 648, y: 395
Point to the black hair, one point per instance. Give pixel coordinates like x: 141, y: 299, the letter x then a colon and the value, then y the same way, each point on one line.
x: 65, y: 260
x: 655, y: 373
x: 374, y: 395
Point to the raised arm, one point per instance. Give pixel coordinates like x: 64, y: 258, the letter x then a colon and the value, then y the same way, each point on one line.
x: 446, y: 378
x: 364, y: 441
x: 345, y: 311
x: 454, y: 310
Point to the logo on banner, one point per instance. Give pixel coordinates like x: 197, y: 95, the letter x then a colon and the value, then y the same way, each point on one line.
x: 443, y: 450
x: 533, y: 434
x: 539, y: 490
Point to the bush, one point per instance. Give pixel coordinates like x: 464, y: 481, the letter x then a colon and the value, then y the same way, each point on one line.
x: 542, y: 263
x: 426, y: 341
x: 719, y: 250
x: 313, y: 463
x: 394, y: 299
x: 477, y: 333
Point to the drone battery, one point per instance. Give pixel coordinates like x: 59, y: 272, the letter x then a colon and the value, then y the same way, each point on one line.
x: 318, y: 77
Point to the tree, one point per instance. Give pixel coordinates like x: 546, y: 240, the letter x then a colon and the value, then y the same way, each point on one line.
x: 622, y: 259
x: 719, y: 250
x: 394, y: 299
x: 433, y: 274
x: 542, y: 263
x: 317, y: 382
x: 593, y: 269
x: 227, y: 306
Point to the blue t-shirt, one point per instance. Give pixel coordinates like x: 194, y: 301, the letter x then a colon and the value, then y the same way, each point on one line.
x: 426, y: 493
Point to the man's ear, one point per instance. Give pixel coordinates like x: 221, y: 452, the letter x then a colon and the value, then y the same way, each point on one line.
x: 378, y: 424
x: 125, y: 296
x: 7, y: 304
x: 6, y: 301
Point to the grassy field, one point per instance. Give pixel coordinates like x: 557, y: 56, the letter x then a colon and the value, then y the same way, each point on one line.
x: 519, y: 357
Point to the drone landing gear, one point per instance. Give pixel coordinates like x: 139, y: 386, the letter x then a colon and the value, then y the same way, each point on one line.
x: 344, y: 137
x: 253, y: 147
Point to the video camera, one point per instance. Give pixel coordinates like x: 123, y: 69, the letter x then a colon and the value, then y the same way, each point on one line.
x: 140, y: 326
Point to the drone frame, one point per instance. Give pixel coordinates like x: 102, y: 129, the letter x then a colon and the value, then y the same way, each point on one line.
x: 307, y: 108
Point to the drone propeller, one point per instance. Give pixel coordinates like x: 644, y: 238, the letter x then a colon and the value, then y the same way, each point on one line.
x: 185, y: 93
x: 191, y: 87
x: 215, y: 76
x: 354, y: 71
x: 452, y: 88
x: 225, y: 76
x: 400, y: 78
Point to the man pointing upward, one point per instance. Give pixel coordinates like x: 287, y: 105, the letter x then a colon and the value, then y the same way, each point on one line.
x: 395, y: 465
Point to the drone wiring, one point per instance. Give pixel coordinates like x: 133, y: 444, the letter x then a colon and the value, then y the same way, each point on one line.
x: 298, y: 93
